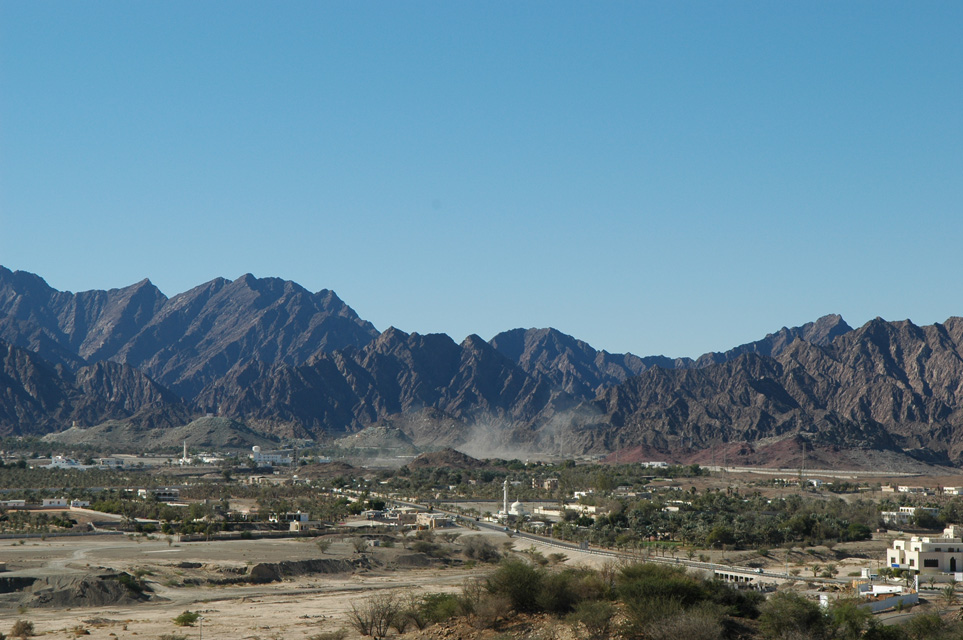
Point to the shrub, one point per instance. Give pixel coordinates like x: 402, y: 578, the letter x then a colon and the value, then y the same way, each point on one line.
x: 478, y: 548
x: 698, y: 623
x: 640, y: 582
x: 429, y: 549
x: 558, y: 594
x: 595, y: 616
x: 439, y: 607
x: 22, y: 629
x: 338, y: 634
x: 744, y: 604
x: 373, y: 617
x: 187, y: 619
x: 787, y: 612
x: 360, y: 545
x: 132, y: 583
x: 519, y: 582
x: 489, y: 609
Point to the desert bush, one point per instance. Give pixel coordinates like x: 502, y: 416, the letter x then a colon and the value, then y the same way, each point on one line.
x: 374, y: 616
x: 651, y: 592
x: 595, y: 616
x: 479, y: 548
x: 924, y: 625
x: 439, y: 607
x: 702, y: 622
x: 337, y: 634
x: 490, y: 609
x: 430, y: 549
x: 171, y: 636
x: 131, y: 583
x: 558, y: 594
x: 744, y: 604
x: 850, y: 619
x: 786, y: 613
x: 22, y: 629
x: 323, y: 544
x: 519, y: 582
x: 187, y: 619
x: 589, y: 584
x: 360, y: 545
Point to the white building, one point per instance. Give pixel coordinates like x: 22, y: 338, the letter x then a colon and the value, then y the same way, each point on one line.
x: 432, y: 520
x: 929, y: 555
x: 270, y: 458
x: 161, y: 495
x: 290, y: 516
x: 905, y: 515
x: 514, y: 512
x: 54, y: 502
x: 60, y: 462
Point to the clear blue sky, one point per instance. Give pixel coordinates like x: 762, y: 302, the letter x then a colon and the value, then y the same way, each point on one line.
x: 654, y: 177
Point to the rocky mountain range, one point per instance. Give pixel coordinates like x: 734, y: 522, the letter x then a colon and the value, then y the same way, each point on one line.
x: 288, y: 362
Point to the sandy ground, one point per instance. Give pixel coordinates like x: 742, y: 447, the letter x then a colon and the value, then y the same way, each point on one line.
x: 297, y: 608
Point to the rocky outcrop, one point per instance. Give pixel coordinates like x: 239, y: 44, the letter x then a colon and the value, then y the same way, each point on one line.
x: 397, y: 374
x: 295, y: 363
x: 886, y: 386
x: 184, y: 342
x: 265, y: 572
x: 38, y: 397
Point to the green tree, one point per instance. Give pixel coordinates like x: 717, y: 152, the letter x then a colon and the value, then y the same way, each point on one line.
x: 850, y: 619
x: 519, y: 581
x: 787, y: 612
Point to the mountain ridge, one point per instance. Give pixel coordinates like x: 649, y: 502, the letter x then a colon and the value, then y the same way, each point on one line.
x: 267, y: 351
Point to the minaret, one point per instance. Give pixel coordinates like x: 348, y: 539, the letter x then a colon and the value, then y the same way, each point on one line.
x: 185, y: 451
x: 505, y: 498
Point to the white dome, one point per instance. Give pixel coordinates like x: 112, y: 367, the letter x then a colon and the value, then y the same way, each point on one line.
x: 517, y: 508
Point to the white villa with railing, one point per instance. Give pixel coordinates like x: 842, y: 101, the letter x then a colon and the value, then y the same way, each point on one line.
x: 929, y: 555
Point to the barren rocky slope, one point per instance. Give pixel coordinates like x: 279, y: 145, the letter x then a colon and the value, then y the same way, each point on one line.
x: 283, y: 360
x: 887, y: 385
x: 184, y: 342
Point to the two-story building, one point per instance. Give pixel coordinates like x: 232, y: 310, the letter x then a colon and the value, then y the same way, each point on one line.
x: 905, y: 515
x: 929, y: 555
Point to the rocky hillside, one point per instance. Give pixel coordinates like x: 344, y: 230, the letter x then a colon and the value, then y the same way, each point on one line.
x: 289, y: 362
x: 37, y: 397
x: 184, y: 342
x: 398, y: 373
x: 885, y: 386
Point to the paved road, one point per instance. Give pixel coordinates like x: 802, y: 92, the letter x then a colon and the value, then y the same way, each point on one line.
x: 570, y: 546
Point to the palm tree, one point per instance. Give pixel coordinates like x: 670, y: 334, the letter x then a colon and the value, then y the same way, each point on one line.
x: 948, y: 595
x: 815, y: 569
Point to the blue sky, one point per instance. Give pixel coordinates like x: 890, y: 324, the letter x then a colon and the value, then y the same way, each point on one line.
x: 655, y: 177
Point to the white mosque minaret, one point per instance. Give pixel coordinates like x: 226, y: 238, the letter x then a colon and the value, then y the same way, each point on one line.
x: 515, y: 512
